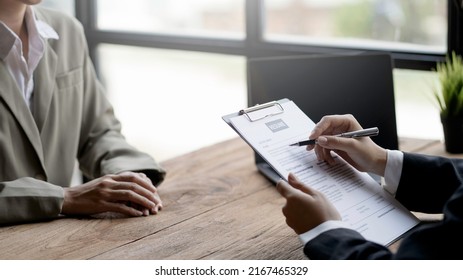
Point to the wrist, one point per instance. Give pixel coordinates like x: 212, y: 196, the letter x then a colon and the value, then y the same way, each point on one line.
x: 67, y: 201
x: 380, y: 160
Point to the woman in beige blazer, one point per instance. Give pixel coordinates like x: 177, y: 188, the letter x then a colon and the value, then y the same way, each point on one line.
x: 66, y: 117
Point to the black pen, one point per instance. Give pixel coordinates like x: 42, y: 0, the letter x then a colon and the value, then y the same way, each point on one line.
x: 373, y: 131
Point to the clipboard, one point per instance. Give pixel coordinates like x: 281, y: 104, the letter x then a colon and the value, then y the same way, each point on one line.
x: 248, y: 112
x: 364, y: 205
x: 262, y: 165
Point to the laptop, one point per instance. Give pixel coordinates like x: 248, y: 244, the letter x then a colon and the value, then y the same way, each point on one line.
x: 359, y: 84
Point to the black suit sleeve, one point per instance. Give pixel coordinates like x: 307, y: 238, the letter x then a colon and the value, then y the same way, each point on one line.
x: 428, y: 182
x: 343, y: 244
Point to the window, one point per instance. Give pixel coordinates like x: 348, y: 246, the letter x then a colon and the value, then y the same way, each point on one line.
x: 416, y: 112
x: 178, y: 93
x: 192, y: 54
x: 208, y: 18
x: 411, y: 25
x: 171, y: 102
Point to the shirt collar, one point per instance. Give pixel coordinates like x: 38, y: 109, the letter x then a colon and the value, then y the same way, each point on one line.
x: 33, y: 24
x: 45, y: 30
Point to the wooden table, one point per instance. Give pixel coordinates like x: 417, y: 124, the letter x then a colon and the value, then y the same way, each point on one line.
x: 217, y: 206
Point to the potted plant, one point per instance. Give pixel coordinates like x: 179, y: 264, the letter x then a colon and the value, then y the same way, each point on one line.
x: 449, y: 96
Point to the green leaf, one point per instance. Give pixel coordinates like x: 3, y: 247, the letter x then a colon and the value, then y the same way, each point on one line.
x: 449, y: 96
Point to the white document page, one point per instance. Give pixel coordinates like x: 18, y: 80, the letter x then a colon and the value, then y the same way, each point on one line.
x: 360, y: 200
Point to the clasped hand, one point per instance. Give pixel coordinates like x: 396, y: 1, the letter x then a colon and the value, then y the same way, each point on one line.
x: 128, y: 193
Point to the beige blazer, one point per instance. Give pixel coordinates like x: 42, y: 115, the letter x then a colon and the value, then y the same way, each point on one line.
x: 71, y: 119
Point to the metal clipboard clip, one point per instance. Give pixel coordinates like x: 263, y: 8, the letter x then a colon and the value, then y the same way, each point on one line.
x: 273, y: 104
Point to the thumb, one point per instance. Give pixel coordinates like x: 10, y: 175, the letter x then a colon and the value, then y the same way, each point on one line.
x: 297, y: 184
x: 284, y: 188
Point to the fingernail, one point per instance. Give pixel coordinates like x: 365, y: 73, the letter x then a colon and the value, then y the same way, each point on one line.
x: 322, y: 140
x: 291, y: 177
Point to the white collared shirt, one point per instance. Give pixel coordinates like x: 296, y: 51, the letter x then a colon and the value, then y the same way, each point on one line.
x: 11, y: 52
x: 391, y: 178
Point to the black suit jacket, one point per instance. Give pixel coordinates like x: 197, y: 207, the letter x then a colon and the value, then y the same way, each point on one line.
x: 428, y: 184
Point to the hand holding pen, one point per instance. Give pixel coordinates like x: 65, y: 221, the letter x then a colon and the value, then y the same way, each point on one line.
x: 368, y: 132
x: 365, y: 155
